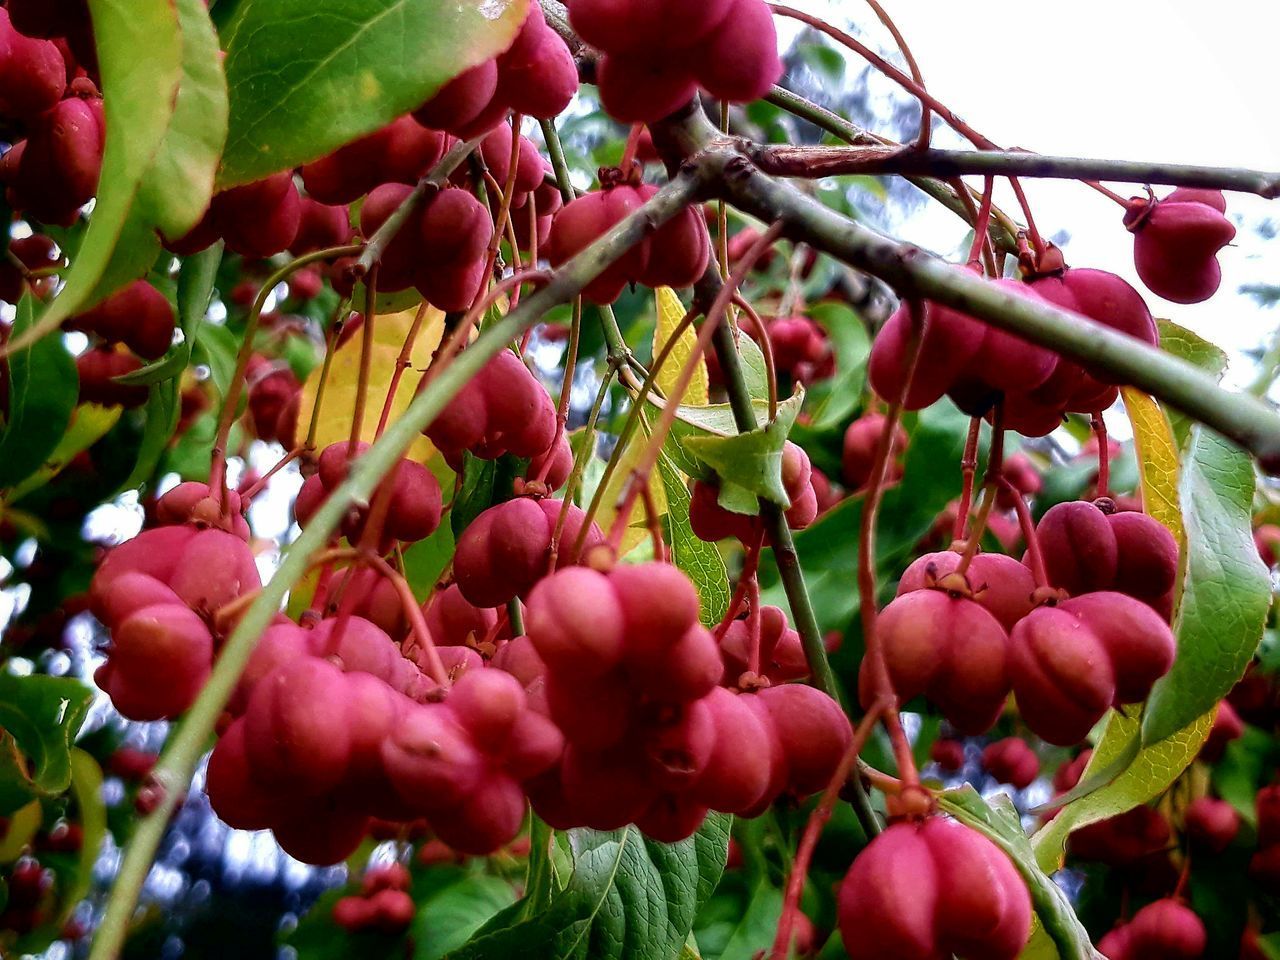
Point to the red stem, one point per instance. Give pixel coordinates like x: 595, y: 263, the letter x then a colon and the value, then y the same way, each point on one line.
x: 969, y: 469
x: 1104, y: 455
x: 1028, y: 527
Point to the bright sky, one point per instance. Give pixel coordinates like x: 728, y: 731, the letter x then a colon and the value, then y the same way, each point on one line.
x: 1174, y: 80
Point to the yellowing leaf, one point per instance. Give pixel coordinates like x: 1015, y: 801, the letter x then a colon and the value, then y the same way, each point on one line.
x: 637, y: 528
x: 337, y: 406
x: 670, y: 312
x: 1150, y: 773
x: 1157, y: 459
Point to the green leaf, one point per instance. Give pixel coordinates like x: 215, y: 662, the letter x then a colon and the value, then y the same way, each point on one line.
x: 479, y: 479
x: 447, y: 919
x: 842, y: 394
x: 758, y: 925
x: 1150, y: 772
x: 1193, y: 348
x: 1226, y: 590
x: 697, y: 558
x: 140, y: 57
x: 998, y: 821
x: 752, y: 460
x: 217, y: 348
x: 39, y: 717
x: 629, y: 898
x: 90, y: 423
x: 176, y: 190
x: 754, y: 372
x: 162, y: 412
x: 43, y: 388
x: 195, y: 290
x: 306, y: 77
x: 86, y: 787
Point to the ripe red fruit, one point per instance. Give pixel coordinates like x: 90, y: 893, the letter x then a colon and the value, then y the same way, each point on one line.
x: 860, y: 442
x: 57, y: 170
x: 505, y: 550
x: 801, y: 350
x: 584, y: 220
x: 782, y: 655
x: 814, y: 733
x: 929, y: 890
x: 613, y: 26
x: 740, y: 60
x: 999, y: 583
x: 160, y: 658
x: 274, y: 396
x: 949, y: 649
x: 138, y: 316
x: 462, y: 100
x: 577, y: 623
x: 503, y: 409
x: 453, y: 621
x: 33, y: 74
x: 537, y: 76
x: 1069, y: 774
x: 1176, y: 242
x: 1122, y: 839
x: 400, y: 152
x: 98, y: 368
x: 738, y: 772
x: 259, y: 219
x: 320, y: 226
x: 951, y: 340
x: 1165, y: 930
x: 1211, y: 823
x: 947, y: 754
x: 455, y: 233
x: 1011, y: 761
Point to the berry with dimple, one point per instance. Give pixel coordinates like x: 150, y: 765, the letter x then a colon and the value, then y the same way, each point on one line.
x: 54, y: 172
x: 454, y: 621
x: 860, y: 443
x: 505, y: 550
x: 947, y: 754
x: 400, y: 152
x: 1211, y: 823
x: 320, y: 226
x: 98, y: 367
x: 948, y: 648
x: 138, y: 316
x: 585, y: 219
x: 929, y: 890
x: 1227, y: 726
x: 1011, y: 761
x: 1176, y: 242
x: 195, y: 502
x: 462, y: 100
x: 1071, y: 662
x: 712, y: 522
x: 537, y: 76
x: 801, y: 349
x: 258, y: 219
x: 1165, y: 930
x: 33, y: 74
x: 950, y: 341
x: 275, y: 394
x: 1122, y: 839
x: 999, y: 583
x: 782, y: 656
x: 814, y: 733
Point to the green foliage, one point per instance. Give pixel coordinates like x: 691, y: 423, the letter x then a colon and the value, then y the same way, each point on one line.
x: 43, y: 387
x: 39, y: 719
x: 628, y: 898
x: 752, y: 460
x: 305, y: 78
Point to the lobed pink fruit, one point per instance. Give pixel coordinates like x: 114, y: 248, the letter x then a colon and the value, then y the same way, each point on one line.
x: 950, y: 342
x: 98, y: 368
x: 1211, y: 823
x: 1079, y: 547
x: 577, y: 623
x: 814, y: 733
x: 1122, y: 839
x: 1227, y: 726
x: 947, y: 754
x: 738, y: 771
x: 462, y: 100
x: 587, y: 218
x: 1176, y: 242
x: 259, y: 219
x: 33, y: 74
x: 712, y: 522
x: 1165, y: 930
x: 620, y: 27
x: 999, y: 583
x: 505, y: 550
x: 453, y: 621
x: 782, y: 656
x: 949, y: 649
x: 537, y: 75
x: 1138, y: 641
x: 503, y: 409
x: 860, y: 442
x: 57, y: 170
x: 139, y: 316
x: 1011, y: 761
x: 740, y: 61
x: 320, y: 226
x: 930, y: 890
x: 678, y: 251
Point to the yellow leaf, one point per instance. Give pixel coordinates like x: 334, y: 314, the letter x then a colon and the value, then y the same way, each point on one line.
x: 1150, y: 773
x: 339, y: 400
x: 1158, y: 460
x: 22, y: 828
x: 637, y: 528
x: 670, y: 312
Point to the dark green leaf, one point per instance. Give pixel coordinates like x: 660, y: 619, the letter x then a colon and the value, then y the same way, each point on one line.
x: 164, y: 406
x: 307, y: 77
x: 479, y: 479
x: 448, y: 918
x: 629, y: 898
x: 43, y: 389
x: 1226, y: 589
x: 842, y: 394
x: 216, y: 348
x: 39, y: 717
x: 757, y: 926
